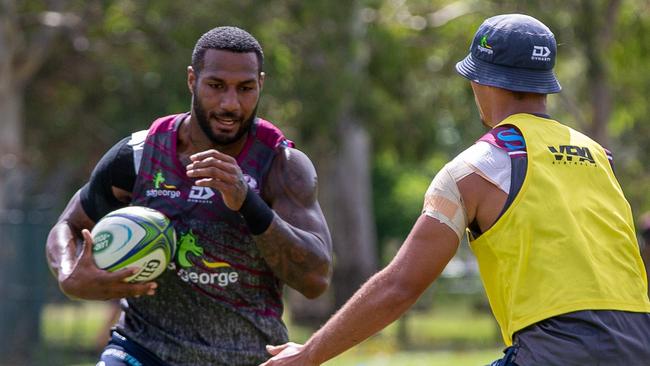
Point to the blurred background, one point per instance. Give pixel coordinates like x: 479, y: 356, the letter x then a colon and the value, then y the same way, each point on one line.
x: 366, y: 88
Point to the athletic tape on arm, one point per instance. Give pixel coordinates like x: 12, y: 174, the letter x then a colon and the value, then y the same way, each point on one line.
x: 443, y: 202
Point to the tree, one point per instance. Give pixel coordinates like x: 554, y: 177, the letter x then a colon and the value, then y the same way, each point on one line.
x: 25, y: 40
x: 366, y: 88
x: 26, y: 35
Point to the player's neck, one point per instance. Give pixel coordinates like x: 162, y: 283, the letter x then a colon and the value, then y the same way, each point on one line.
x: 503, y: 108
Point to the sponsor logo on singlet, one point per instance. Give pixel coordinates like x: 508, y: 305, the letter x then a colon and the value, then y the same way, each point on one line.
x: 572, y: 155
x: 252, y: 183
x: 204, y: 194
x: 200, y: 195
x: 160, y: 189
x: 209, y: 273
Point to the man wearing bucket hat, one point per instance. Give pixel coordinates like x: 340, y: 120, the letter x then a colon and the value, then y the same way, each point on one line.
x: 546, y: 219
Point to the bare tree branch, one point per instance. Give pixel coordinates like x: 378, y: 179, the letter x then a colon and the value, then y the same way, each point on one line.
x: 8, y: 31
x: 31, y: 56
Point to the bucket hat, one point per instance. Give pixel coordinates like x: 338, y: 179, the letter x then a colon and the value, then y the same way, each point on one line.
x: 514, y: 52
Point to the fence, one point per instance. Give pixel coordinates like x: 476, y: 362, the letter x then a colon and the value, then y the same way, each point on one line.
x: 26, y: 286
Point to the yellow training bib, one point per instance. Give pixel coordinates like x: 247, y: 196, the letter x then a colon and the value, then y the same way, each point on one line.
x: 567, y: 242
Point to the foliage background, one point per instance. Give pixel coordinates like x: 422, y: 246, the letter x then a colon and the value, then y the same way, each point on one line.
x: 384, y: 67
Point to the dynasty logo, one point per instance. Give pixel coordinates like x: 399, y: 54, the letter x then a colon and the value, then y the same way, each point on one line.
x: 571, y: 154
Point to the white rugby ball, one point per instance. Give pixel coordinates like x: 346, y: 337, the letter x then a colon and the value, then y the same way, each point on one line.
x: 134, y: 236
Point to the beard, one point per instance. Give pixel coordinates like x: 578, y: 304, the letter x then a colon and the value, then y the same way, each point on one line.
x: 203, y: 119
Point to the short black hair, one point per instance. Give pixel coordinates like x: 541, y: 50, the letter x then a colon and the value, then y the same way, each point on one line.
x: 231, y: 39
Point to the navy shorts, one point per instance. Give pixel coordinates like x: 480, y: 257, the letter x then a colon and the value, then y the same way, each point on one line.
x: 509, y: 358
x: 122, y: 352
x: 588, y: 337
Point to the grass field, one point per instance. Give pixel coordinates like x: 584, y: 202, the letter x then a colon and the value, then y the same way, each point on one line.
x: 449, y: 333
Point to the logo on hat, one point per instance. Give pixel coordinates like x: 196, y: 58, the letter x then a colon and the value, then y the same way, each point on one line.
x: 540, y: 53
x: 484, y: 46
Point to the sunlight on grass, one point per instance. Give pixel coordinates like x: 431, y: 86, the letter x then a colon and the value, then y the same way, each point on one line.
x: 447, y: 332
x: 76, y: 323
x: 437, y: 358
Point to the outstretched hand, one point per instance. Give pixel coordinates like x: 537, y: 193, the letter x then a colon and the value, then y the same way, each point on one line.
x: 219, y: 171
x: 288, y: 354
x: 84, y: 280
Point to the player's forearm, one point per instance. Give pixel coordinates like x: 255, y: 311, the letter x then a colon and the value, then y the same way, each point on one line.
x: 300, y: 258
x: 61, y: 246
x: 61, y: 250
x: 378, y: 303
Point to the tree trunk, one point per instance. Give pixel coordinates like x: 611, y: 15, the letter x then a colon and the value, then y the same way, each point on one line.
x: 11, y: 145
x: 597, y: 32
x: 345, y: 186
x: 16, y: 332
x: 20, y: 57
x: 352, y: 222
x: 346, y: 197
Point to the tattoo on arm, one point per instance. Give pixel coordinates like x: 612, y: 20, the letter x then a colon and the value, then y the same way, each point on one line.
x: 297, y: 246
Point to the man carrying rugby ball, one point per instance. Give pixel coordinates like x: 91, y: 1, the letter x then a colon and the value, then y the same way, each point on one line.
x: 244, y: 205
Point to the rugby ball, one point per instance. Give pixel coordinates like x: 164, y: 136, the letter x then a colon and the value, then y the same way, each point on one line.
x: 134, y: 236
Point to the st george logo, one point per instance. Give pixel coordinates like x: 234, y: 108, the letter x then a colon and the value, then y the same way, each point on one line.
x: 159, y: 181
x: 571, y: 154
x: 483, y: 46
x: 188, y: 245
x: 203, y: 273
x: 160, y: 189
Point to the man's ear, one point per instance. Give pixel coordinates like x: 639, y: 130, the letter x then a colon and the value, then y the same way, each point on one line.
x: 261, y: 81
x: 191, y: 79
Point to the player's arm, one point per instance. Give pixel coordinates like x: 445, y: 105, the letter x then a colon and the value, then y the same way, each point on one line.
x: 288, y: 224
x: 432, y: 242
x: 69, y: 245
x: 69, y: 254
x: 382, y: 299
x: 297, y: 244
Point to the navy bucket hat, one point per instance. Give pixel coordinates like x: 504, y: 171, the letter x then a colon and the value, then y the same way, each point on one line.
x: 514, y: 52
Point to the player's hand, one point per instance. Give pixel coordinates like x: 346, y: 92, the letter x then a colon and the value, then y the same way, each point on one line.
x: 288, y: 354
x: 219, y: 171
x: 86, y: 281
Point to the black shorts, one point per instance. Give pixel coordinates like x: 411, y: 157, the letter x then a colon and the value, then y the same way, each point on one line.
x: 590, y: 337
x: 120, y: 351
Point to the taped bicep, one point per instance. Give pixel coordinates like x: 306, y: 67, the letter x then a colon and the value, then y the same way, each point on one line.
x: 443, y: 201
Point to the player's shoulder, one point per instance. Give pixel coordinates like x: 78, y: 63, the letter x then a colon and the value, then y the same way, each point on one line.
x: 291, y: 159
x: 484, y: 159
x: 292, y: 174
x: 270, y: 135
x: 138, y: 138
x: 482, y: 153
x: 507, y: 138
x: 166, y: 124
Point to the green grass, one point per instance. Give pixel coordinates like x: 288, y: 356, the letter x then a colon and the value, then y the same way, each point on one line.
x: 451, y: 332
x: 419, y: 358
x: 75, y: 323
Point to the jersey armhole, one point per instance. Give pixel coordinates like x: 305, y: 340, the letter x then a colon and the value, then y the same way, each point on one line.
x: 137, y: 144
